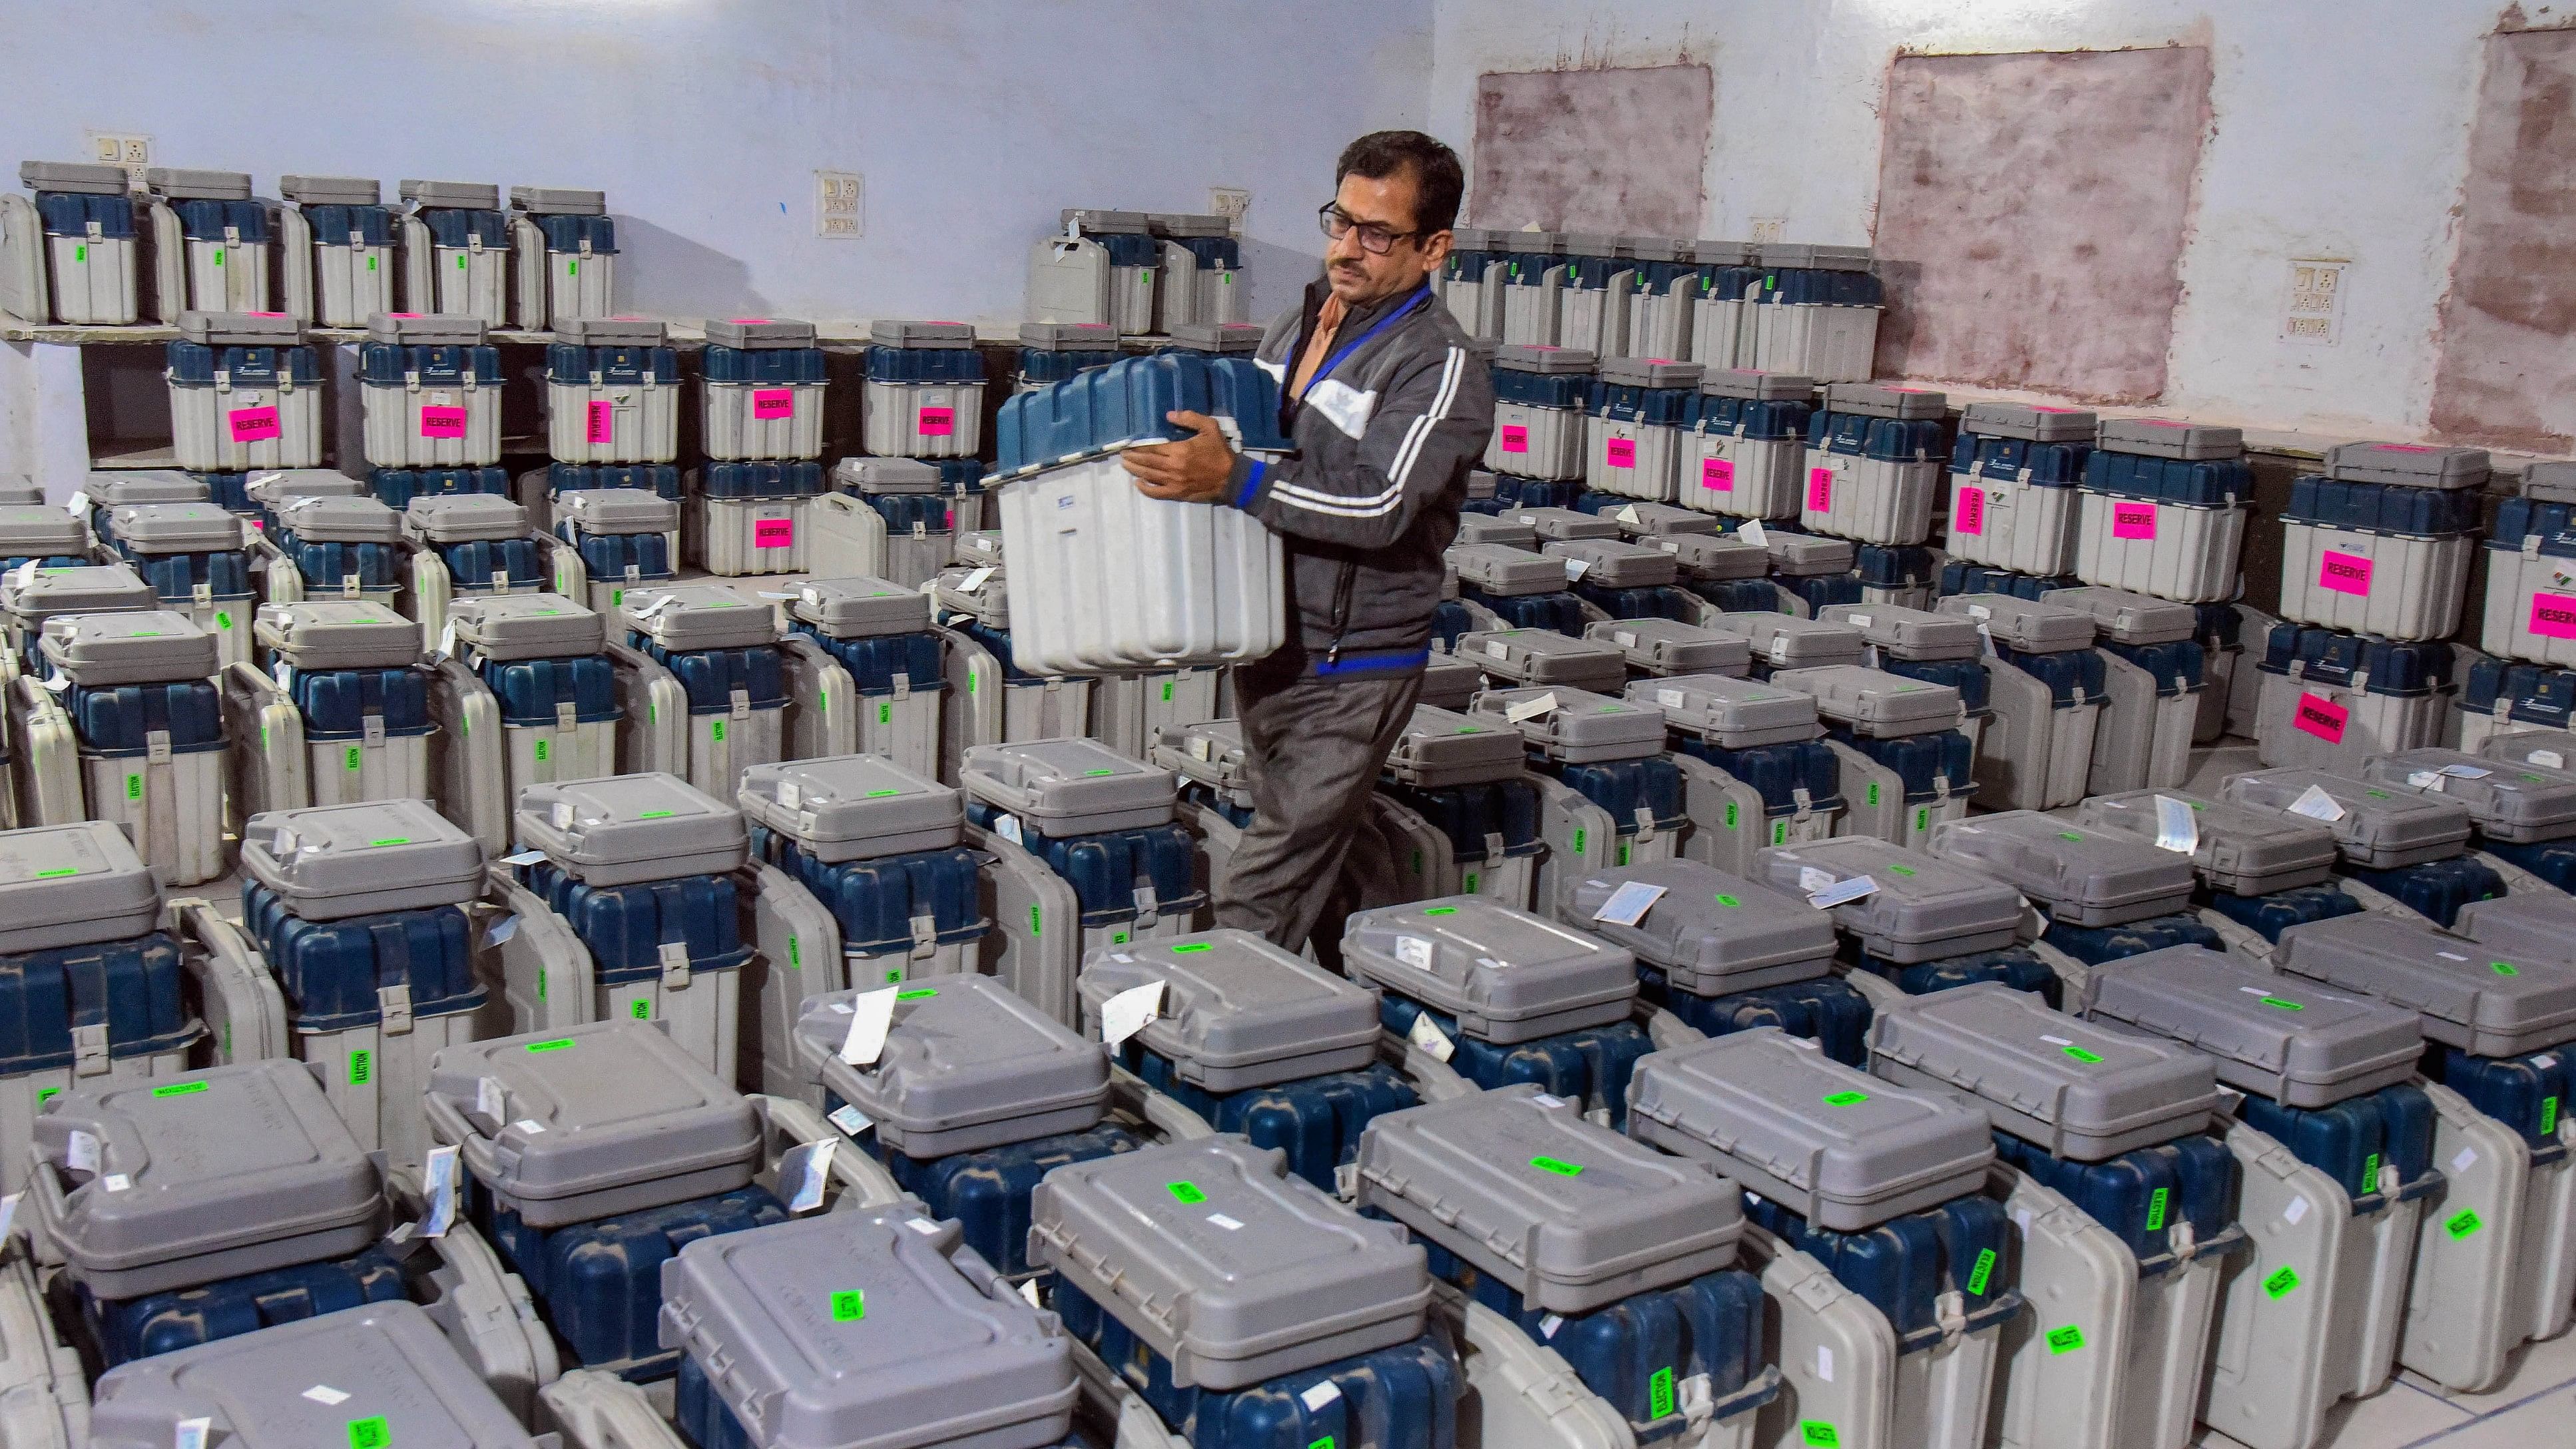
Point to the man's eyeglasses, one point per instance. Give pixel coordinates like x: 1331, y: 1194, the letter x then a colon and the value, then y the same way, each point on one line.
x: 1376, y: 240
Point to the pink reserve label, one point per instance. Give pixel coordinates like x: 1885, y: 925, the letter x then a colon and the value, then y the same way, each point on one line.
x: 1515, y: 440
x: 2344, y: 573
x: 2133, y: 520
x: 252, y: 425
x: 936, y: 422
x: 1621, y: 452
x: 2399, y: 448
x: 1717, y: 474
x: 2553, y: 616
x: 773, y: 533
x: 1968, y: 511
x: 773, y: 402
x: 602, y: 423
x: 1820, y: 490
x: 442, y: 422
x: 2321, y: 717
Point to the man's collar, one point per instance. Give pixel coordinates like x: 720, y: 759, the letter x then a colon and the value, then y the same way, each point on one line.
x: 1364, y: 315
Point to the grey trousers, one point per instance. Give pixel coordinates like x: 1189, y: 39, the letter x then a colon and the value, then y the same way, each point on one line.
x: 1311, y: 855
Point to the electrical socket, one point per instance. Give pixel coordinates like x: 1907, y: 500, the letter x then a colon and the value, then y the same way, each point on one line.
x: 122, y: 148
x: 2314, y: 315
x: 1770, y: 228
x: 840, y: 205
x: 1230, y: 202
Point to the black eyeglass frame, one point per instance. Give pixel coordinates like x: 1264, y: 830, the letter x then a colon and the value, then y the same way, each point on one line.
x: 1331, y: 212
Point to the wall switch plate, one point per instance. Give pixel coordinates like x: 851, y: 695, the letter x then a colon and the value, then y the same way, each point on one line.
x: 2314, y: 315
x: 122, y: 148
x: 840, y: 205
x: 1770, y: 228
x: 1230, y: 202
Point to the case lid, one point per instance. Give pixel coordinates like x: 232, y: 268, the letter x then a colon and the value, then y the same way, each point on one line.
x: 1747, y: 382
x: 2408, y: 465
x: 230, y: 1157
x: 1498, y: 569
x: 2029, y: 625
x: 2095, y: 877
x: 1541, y: 358
x: 558, y: 201
x: 1708, y: 252
x: 1209, y: 752
x: 1096, y: 219
x: 1574, y: 725
x: 2126, y: 618
x: 588, y: 1109
x: 849, y: 807
x: 2367, y: 819
x: 1566, y: 1213
x: 965, y: 1065
x: 860, y: 607
x: 2465, y: 995
x: 920, y: 334
x: 1289, y: 1279
x: 105, y: 489
x: 240, y: 329
x: 1217, y: 336
x: 1836, y: 1146
x: 1915, y: 635
x: 1068, y: 786
x: 1806, y: 555
x: 1612, y: 563
x: 1875, y: 702
x: 194, y: 184
x: 1812, y: 255
x: 339, y: 520
x: 1700, y: 556
x: 1669, y: 647
x: 71, y: 885
x: 886, y: 475
x: 1478, y: 528
x: 2236, y: 848
x: 1493, y: 968
x: 461, y: 517
x: 2550, y: 481
x: 1649, y: 522
x: 613, y: 331
x: 1711, y: 932
x: 34, y: 531
x: 1789, y: 643
x: 30, y: 593
x: 1649, y: 372
x: 1871, y: 400
x: 2163, y: 438
x: 143, y: 647
x: 1732, y: 713
x: 1237, y: 1011
x: 339, y: 634
x: 2517, y: 804
x: 1439, y: 747
x: 2538, y: 749
x: 617, y: 510
x: 450, y: 195
x: 2275, y: 1037
x: 17, y: 489
x: 1918, y: 908
x: 627, y: 828
x: 1069, y: 336
x: 876, y: 1328
x: 158, y: 528
x: 413, y: 329
x: 331, y: 190
x: 1563, y: 522
x: 2024, y: 420
x: 699, y: 616
x: 2083, y: 1091
x: 758, y: 333
x: 527, y: 626
x: 75, y: 177
x: 406, y: 1385
x: 274, y: 487
x: 331, y: 862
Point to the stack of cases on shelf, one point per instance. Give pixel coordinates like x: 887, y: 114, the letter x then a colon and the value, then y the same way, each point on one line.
x: 1722, y: 953
x: 1817, y: 312
x: 2500, y: 697
x: 1101, y: 821
x: 1935, y: 648
x: 468, y: 545
x: 1755, y: 768
x: 192, y: 556
x: 2530, y: 611
x: 1201, y: 285
x: 1906, y: 761
x: 352, y: 670
x: 2163, y: 509
x: 1891, y: 1273
x: 1533, y: 276
x: 879, y: 846
x: 1052, y: 352
x: 2014, y: 475
x: 1592, y: 307
x: 723, y: 649
x: 359, y: 910
x: 245, y: 392
x: 147, y: 726
x: 565, y: 254
x: 1463, y: 778
x: 1663, y: 281
x: 1133, y: 258
x: 612, y: 398
x: 1471, y: 282
x: 1539, y: 398
x: 544, y: 659
x: 1919, y: 921
x: 1721, y: 325
x: 455, y: 250
x: 2045, y: 687
x: 209, y: 240
x: 2333, y: 698
x: 924, y: 396
x: 1634, y: 425
x: 2085, y: 883
x: 344, y: 547
x: 67, y: 253
x: 1873, y: 463
x: 597, y: 1152
x: 764, y: 423
x: 919, y: 519
x: 880, y: 632
x: 335, y: 250
x: 431, y: 391
x: 2154, y: 670
x: 1606, y: 749
x: 2380, y: 543
x: 624, y: 538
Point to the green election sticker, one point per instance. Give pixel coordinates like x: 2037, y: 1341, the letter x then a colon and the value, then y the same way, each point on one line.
x: 2065, y: 1340
x: 1185, y: 1193
x: 1561, y: 1169
x: 1983, y: 1273
x: 1817, y: 1434
x: 58, y: 872
x: 2279, y: 1004
x: 2280, y: 1285
x: 641, y: 1010
x: 2461, y: 1226
x: 556, y: 1045
x: 2549, y: 1116
x: 1900, y: 870
x: 2067, y: 835
x: 1191, y: 948
x: 370, y: 1433
x: 362, y: 1067
x: 179, y: 1089
x: 1659, y: 1393
x: 916, y: 993
x: 2370, y: 1174
x: 2081, y: 1055
x: 849, y: 1305
x: 1847, y: 1099
x: 1441, y: 911
x: 2156, y: 1209
x: 1730, y: 902
x: 2504, y: 968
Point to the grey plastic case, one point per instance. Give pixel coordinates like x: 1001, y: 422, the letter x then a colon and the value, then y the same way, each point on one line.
x: 894, y: 333
x: 2079, y: 876
x: 2021, y: 420
x: 406, y: 1385
x: 966, y: 1065
x: 979, y: 546
x: 1710, y: 932
x: 1069, y: 336
x: 1747, y: 382
x: 159, y: 528
x: 31, y: 594
x: 148, y: 485
x: 878, y: 476
x: 331, y: 862
x: 78, y: 177
x: 1580, y: 728
x: 2236, y: 849
x: 2506, y: 803
x: 1734, y: 714
x: 1701, y: 556
x: 145, y: 647
x: 1922, y: 909
x: 2467, y: 995
x: 1668, y: 647
x: 1914, y: 635
x: 2408, y: 465
x: 331, y: 190
x: 1836, y: 1146
x: 1505, y: 975
x: 339, y: 634
x: 1568, y: 1214
x: 1807, y: 555
x: 1441, y: 747
x: 1543, y: 359
x: 273, y: 490
x: 33, y: 531
x: 527, y: 626
x: 1237, y: 1012
x: 17, y: 489
x: 1545, y: 657
x: 875, y: 1328
x: 463, y: 518
x: 2080, y: 1090
x: 2270, y: 1036
x: 2540, y: 924
x: 2126, y: 618
x: 758, y: 333
x: 240, y: 329
x: 1229, y: 1266
x: 450, y: 195
x: 1501, y: 569
x: 852, y: 807
x: 321, y: 519
x: 612, y: 331
x: 1874, y: 703
x: 558, y: 201
x: 1612, y: 563
x: 598, y: 1119
x: 861, y: 607
x: 700, y: 616
x: 2160, y: 438
x: 70, y: 885
x: 2379, y: 828
x: 1450, y: 682
x: 1782, y: 642
x: 617, y: 510
x: 1218, y: 337
x: 215, y: 1174
x: 1479, y: 528
x: 2029, y: 625
x: 1646, y: 522
x: 414, y: 329
x: 2536, y: 749
x: 1068, y: 786
x: 1650, y: 372
x: 1208, y: 753
x: 1563, y: 522
x: 627, y: 828
x: 1872, y: 400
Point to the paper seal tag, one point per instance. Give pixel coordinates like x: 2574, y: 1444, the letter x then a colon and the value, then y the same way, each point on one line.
x: 1530, y: 709
x: 2316, y: 804
x: 804, y: 1171
x: 2177, y: 825
x: 1847, y: 891
x: 1130, y: 1012
x: 871, y: 1016
x: 1629, y: 903
x: 1434, y: 1042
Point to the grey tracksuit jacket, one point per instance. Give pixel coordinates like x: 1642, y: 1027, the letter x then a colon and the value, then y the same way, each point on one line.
x: 1385, y: 434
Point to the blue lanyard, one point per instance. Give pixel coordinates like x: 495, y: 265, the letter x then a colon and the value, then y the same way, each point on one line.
x: 1356, y: 343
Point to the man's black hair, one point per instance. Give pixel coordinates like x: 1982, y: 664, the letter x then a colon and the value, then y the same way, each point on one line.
x: 1438, y: 181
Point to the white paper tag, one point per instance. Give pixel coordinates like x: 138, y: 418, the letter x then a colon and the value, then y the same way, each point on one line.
x: 1414, y: 951
x: 2297, y: 1210
x: 502, y: 930
x: 80, y: 1154
x: 1824, y: 1363
x: 2056, y: 1041
x: 1848, y: 891
x: 1628, y: 514
x: 1530, y: 709
x: 923, y: 1226
x: 1857, y: 621
x: 1576, y: 568
x: 1318, y: 1395
x: 871, y: 1016
x: 1624, y: 638
x: 77, y: 504
x: 1814, y: 878
x: 804, y: 1171
x: 1231, y: 1225
x: 116, y: 1182
x: 1628, y: 904
x: 1548, y: 1326
x: 2316, y: 804
x: 2450, y: 955
x: 1751, y: 532
x: 2467, y: 1158
x: 2021, y: 1222
x: 1008, y: 827
x: 2546, y: 759
x: 2177, y: 825
x: 1669, y: 698
x: 2466, y: 772
x: 850, y: 1119
x: 438, y: 1185
x: 2544, y: 1061
x: 191, y: 1433
x: 1130, y: 1012
x: 1497, y: 649
x: 1542, y: 1099
x: 974, y: 579
x: 491, y: 1099
x: 327, y: 1396
x: 1980, y: 611
x: 1434, y: 1042
x: 530, y: 1127
x: 1029, y: 1291
x: 8, y: 1215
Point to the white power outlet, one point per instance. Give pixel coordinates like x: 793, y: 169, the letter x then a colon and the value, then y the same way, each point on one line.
x: 1230, y: 202
x: 840, y: 205
x: 122, y: 148
x: 2314, y: 315
x: 1770, y: 228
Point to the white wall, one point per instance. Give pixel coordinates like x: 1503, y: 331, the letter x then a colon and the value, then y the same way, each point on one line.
x: 704, y: 119
x: 2339, y: 131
